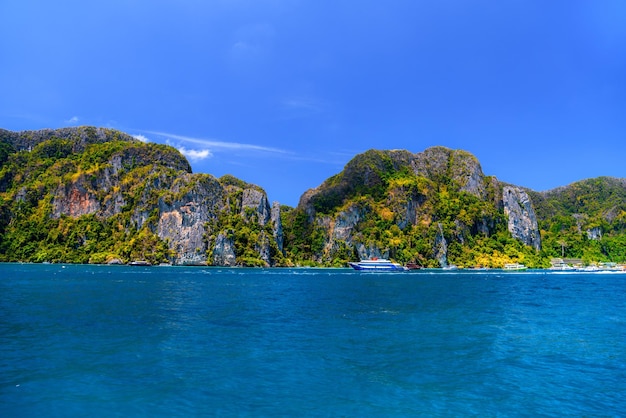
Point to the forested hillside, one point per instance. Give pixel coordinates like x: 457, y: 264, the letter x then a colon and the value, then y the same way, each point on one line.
x: 94, y: 195
x: 585, y: 220
x: 434, y: 208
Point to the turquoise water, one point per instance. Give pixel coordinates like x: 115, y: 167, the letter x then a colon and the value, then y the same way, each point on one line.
x: 174, y: 341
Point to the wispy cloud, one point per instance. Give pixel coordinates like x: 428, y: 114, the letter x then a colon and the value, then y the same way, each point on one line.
x: 72, y: 121
x: 213, y: 145
x: 303, y: 104
x: 252, y: 42
x: 302, y: 107
x: 142, y: 138
x: 195, y: 155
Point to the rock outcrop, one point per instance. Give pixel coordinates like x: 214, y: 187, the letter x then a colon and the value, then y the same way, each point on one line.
x: 100, y: 195
x: 439, y: 163
x: 277, y: 224
x: 255, y: 203
x: 224, y: 251
x: 441, y: 248
x: 148, y: 189
x: 194, y: 200
x: 522, y: 221
x: 74, y: 200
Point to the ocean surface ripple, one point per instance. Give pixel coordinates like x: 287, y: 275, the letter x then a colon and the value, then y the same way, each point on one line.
x: 106, y: 341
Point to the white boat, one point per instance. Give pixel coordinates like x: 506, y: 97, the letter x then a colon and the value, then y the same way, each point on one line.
x: 561, y: 267
x: 377, y: 264
x: 141, y: 263
x: 514, y: 267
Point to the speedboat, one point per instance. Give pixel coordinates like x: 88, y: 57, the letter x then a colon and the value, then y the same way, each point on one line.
x: 377, y: 264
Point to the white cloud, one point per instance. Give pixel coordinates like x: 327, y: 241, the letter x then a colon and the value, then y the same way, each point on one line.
x: 142, y: 138
x: 72, y: 121
x: 219, y: 145
x: 195, y: 155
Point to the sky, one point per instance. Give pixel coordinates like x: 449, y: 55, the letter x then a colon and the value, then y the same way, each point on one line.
x: 283, y: 93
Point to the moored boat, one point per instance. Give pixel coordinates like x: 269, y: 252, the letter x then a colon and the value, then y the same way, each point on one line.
x: 140, y: 263
x: 514, y: 267
x: 562, y: 267
x: 413, y: 266
x: 377, y: 264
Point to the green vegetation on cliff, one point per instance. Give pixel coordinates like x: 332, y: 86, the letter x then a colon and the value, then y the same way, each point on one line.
x: 33, y: 221
x: 585, y: 220
x: 92, y: 195
x: 403, y: 206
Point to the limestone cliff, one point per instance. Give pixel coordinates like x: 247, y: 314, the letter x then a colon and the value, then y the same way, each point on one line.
x: 462, y: 168
x: 98, y: 195
x: 277, y: 225
x: 193, y: 200
x: 224, y: 251
x: 404, y: 190
x: 143, y: 194
x: 412, y: 207
x: 522, y: 221
x: 80, y: 137
x: 440, y: 248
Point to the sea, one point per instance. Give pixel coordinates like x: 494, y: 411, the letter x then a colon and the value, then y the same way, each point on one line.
x: 169, y: 341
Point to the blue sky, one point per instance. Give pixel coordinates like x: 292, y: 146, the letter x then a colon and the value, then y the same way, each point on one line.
x: 283, y: 93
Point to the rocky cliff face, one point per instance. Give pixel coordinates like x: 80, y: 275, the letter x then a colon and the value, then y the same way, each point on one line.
x: 277, y: 224
x: 441, y: 247
x: 462, y: 168
x: 193, y: 200
x: 64, y: 191
x: 74, y: 199
x: 145, y: 187
x: 436, y: 199
x: 521, y: 216
x: 224, y: 251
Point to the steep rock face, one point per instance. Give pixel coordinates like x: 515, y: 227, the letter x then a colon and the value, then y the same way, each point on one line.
x: 102, y: 191
x: 432, y: 163
x: 143, y: 192
x: 305, y: 202
x: 256, y: 201
x: 406, y: 202
x: 384, y: 177
x: 74, y: 200
x: 468, y: 173
x: 277, y: 223
x: 370, y: 251
x: 439, y: 163
x: 81, y: 136
x: 341, y: 230
x: 414, y: 206
x: 151, y: 189
x: 441, y: 248
x: 224, y: 251
x: 193, y: 201
x: 263, y: 247
x: 594, y: 233
x: 522, y: 220
x: 344, y: 223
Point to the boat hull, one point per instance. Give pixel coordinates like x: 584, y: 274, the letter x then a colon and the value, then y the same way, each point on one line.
x: 368, y: 266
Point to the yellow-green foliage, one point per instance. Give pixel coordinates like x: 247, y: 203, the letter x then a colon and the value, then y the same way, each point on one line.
x: 379, y: 189
x: 30, y: 179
